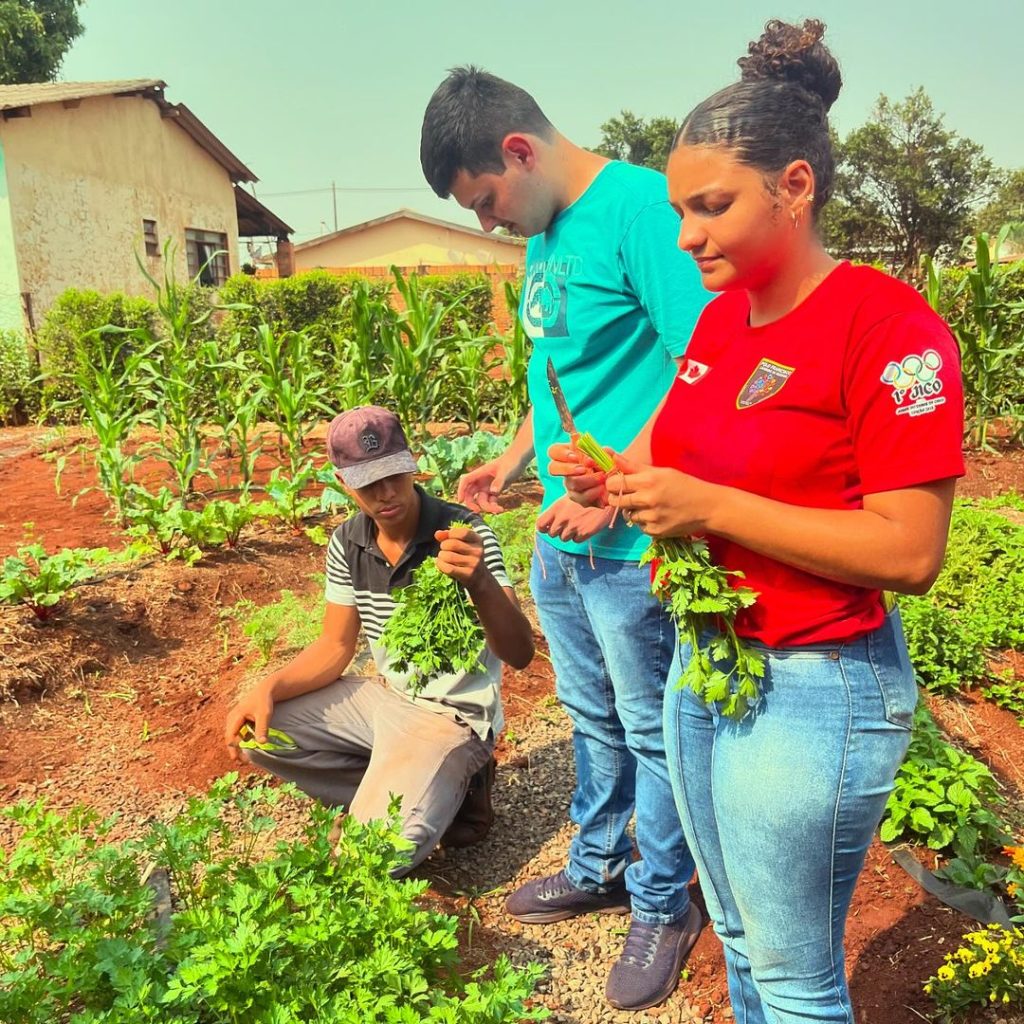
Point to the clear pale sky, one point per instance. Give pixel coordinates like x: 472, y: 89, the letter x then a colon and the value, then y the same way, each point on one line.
x: 308, y: 92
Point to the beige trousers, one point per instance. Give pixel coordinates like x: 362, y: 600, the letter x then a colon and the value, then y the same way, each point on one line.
x: 359, y: 742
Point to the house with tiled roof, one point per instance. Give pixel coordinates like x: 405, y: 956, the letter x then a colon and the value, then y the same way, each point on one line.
x: 96, y: 174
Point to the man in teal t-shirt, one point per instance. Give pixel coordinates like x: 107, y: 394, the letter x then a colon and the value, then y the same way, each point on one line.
x: 609, y: 297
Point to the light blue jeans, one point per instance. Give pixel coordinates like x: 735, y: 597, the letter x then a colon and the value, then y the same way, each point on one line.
x: 779, y: 811
x: 611, y: 646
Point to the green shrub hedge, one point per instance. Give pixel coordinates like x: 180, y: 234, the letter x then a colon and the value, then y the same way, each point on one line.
x: 19, y: 392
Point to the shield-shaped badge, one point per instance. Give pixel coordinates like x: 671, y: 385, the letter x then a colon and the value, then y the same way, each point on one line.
x: 766, y: 380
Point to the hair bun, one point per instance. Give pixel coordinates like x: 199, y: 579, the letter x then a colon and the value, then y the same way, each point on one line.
x: 794, y: 53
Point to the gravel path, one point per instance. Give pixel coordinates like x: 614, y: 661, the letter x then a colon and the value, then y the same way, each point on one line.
x: 530, y: 837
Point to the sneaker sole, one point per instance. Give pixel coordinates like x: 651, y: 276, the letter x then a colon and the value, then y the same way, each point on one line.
x: 551, y: 916
x: 674, y: 984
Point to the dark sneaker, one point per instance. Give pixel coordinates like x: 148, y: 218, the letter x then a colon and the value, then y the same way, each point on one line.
x: 648, y: 970
x: 475, y: 816
x: 555, y: 898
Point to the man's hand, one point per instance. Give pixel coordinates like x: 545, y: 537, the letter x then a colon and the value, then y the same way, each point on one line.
x: 480, y: 487
x: 584, y: 482
x: 256, y: 707
x: 461, y: 555
x: 570, y: 521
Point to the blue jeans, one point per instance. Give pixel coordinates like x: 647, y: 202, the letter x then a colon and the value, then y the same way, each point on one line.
x: 611, y: 646
x: 780, y: 809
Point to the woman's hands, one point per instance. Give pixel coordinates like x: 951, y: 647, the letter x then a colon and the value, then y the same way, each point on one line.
x: 662, y: 502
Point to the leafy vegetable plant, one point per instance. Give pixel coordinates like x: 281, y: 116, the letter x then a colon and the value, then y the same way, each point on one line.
x: 308, y: 929
x: 39, y: 580
x: 284, y: 496
x: 434, y: 629
x: 722, y: 668
x: 943, y: 796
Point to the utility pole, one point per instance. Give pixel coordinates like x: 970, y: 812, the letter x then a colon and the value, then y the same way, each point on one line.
x: 334, y: 197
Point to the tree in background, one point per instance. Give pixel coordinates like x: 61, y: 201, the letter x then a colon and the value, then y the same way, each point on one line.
x: 1006, y: 206
x: 636, y: 140
x: 905, y: 186
x: 34, y: 37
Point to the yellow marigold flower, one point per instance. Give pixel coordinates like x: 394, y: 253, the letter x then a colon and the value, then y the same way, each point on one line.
x: 1016, y: 854
x: 1013, y: 889
x: 946, y: 973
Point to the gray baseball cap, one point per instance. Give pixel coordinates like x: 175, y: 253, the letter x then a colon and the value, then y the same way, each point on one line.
x: 366, y: 444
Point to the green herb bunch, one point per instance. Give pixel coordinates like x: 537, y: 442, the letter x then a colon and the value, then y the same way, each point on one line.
x: 434, y: 630
x: 725, y: 669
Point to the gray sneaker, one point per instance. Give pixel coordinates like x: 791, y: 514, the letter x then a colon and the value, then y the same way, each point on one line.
x: 648, y: 970
x: 555, y: 898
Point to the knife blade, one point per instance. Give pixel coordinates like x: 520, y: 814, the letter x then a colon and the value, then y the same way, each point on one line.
x: 568, y: 424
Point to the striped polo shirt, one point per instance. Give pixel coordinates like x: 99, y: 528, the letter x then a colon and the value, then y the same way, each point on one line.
x: 359, y: 575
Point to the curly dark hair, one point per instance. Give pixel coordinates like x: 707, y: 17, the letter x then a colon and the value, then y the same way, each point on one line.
x: 778, y: 111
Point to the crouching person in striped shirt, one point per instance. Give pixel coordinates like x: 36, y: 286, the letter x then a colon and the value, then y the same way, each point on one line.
x: 359, y: 739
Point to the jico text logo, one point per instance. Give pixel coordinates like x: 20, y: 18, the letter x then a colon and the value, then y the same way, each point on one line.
x: 915, y: 383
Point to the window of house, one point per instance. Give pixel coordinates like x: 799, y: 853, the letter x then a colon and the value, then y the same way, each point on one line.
x: 206, y: 252
x: 149, y: 234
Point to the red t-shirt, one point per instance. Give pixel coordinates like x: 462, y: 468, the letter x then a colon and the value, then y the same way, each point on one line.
x: 855, y: 391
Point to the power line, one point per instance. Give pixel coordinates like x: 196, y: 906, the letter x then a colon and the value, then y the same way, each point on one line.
x: 328, y: 188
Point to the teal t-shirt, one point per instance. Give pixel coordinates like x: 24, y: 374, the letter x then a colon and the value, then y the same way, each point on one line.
x: 611, y: 298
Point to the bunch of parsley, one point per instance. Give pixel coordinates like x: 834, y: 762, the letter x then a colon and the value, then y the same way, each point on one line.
x: 722, y: 668
x: 434, y: 629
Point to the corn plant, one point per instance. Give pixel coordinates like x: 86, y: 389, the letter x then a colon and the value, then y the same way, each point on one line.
x: 416, y: 353
x: 989, y: 328
x: 468, y: 376
x: 515, y: 360
x: 358, y: 354
x: 108, y: 398
x: 173, y: 374
x: 235, y: 402
x: 289, y: 380
x: 40, y: 581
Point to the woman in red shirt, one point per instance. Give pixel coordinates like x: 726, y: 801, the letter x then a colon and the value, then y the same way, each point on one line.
x: 814, y: 437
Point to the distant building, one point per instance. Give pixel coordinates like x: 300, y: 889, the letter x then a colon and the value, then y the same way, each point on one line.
x: 410, y: 240
x: 93, y: 173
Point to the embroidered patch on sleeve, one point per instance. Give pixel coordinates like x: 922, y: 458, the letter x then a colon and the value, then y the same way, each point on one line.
x: 766, y: 380
x: 915, y: 382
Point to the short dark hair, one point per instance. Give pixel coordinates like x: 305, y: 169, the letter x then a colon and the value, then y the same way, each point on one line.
x: 778, y: 111
x: 466, y: 121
